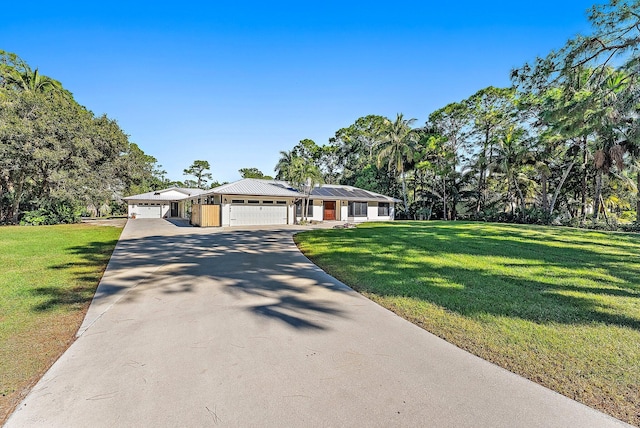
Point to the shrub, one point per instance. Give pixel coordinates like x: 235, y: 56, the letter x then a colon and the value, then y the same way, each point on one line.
x: 57, y: 212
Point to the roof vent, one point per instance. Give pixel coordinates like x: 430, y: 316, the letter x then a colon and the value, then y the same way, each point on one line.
x: 156, y: 194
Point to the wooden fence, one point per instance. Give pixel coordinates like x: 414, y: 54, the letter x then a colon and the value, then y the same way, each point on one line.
x: 205, y: 215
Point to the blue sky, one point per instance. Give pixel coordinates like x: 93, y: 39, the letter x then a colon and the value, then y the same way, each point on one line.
x: 235, y: 83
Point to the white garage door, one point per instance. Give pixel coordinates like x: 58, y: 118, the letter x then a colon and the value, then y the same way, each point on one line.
x: 249, y: 215
x: 148, y: 211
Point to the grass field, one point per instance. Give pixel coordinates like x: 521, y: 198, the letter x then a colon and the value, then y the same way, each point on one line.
x: 48, y: 275
x: 559, y: 306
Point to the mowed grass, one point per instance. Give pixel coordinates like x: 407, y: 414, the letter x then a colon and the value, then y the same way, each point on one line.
x: 48, y: 276
x: 556, y: 305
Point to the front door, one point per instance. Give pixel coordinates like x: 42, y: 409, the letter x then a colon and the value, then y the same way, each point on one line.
x: 329, y: 210
x: 174, y: 209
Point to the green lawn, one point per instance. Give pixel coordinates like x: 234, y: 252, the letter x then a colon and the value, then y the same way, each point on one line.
x: 559, y: 306
x: 48, y: 275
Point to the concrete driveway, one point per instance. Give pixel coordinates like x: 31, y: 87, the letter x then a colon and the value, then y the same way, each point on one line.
x: 214, y: 327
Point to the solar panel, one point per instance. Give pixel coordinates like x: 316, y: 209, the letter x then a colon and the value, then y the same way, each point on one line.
x: 321, y: 192
x: 345, y: 193
x: 361, y: 194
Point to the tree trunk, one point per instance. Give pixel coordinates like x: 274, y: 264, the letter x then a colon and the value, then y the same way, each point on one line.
x: 479, y: 203
x: 444, y: 199
x: 3, y: 208
x: 522, y: 205
x: 596, y: 199
x: 305, y: 208
x: 404, y: 191
x: 15, y: 206
x: 583, y: 184
x: 557, y: 192
x: 638, y: 198
x: 545, y: 197
x: 604, y: 210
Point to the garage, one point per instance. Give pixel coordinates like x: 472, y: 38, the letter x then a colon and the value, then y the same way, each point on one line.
x: 148, y: 211
x: 261, y: 213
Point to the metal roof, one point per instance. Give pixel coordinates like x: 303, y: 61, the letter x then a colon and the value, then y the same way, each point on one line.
x: 273, y: 188
x: 160, y: 195
x: 255, y: 187
x: 188, y: 191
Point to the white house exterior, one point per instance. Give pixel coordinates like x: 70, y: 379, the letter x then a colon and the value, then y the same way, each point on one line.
x: 254, y: 202
x: 160, y: 204
x: 331, y: 202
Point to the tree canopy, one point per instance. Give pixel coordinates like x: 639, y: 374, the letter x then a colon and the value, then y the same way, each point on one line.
x: 57, y: 158
x: 253, y: 173
x: 198, y: 169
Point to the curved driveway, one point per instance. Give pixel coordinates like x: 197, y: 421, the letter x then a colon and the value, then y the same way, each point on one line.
x: 228, y: 327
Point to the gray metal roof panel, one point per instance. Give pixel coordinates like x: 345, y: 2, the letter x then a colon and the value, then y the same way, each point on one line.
x: 252, y: 186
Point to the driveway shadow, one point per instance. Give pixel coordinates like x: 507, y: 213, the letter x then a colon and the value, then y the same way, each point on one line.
x: 261, y: 264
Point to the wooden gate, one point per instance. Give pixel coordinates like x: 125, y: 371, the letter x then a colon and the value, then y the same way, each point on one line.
x: 205, y: 215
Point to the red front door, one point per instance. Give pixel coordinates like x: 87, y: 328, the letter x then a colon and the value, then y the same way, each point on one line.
x: 329, y: 210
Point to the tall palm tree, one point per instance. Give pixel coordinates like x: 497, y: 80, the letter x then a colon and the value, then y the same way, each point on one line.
x: 283, y: 167
x: 398, y: 145
x: 304, y: 174
x: 610, y: 121
x: 511, y: 155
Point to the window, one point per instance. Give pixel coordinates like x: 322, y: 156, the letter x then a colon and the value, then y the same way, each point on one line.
x: 357, y: 209
x: 267, y: 202
x: 237, y: 201
x: 281, y: 202
x: 253, y: 201
x: 383, y: 209
x: 299, y: 209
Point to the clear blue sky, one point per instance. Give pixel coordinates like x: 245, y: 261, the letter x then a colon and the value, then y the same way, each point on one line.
x: 235, y: 83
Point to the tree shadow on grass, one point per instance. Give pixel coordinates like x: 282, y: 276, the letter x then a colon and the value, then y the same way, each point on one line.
x: 85, y: 271
x: 583, y: 285
x: 58, y: 297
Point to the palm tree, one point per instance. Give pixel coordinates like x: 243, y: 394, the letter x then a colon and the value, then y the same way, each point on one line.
x: 283, y: 167
x: 304, y: 174
x: 398, y: 145
x: 35, y: 82
x: 610, y: 121
x: 511, y: 155
x: 16, y: 73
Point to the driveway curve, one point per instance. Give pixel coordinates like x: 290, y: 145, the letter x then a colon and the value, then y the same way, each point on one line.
x: 230, y: 327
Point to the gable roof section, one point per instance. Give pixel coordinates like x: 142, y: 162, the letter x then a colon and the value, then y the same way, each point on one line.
x: 187, y: 191
x: 164, y: 195
x: 256, y: 187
